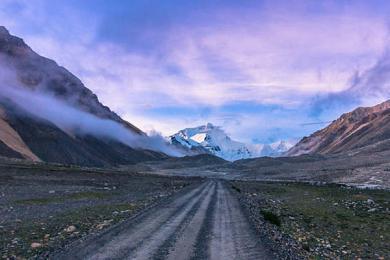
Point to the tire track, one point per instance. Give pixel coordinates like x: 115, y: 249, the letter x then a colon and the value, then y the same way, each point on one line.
x: 184, y: 248
x: 232, y: 236
x: 116, y: 242
x: 205, y: 222
x: 157, y: 239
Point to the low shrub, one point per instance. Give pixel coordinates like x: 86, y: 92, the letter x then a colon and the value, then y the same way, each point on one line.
x: 271, y: 217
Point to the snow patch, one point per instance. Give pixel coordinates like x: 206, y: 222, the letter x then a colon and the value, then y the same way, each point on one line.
x: 199, y: 137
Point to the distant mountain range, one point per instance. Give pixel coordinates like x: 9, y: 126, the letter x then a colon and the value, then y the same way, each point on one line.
x: 362, y: 127
x: 213, y: 140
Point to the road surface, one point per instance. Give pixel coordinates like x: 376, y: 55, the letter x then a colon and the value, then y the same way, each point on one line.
x: 203, y: 222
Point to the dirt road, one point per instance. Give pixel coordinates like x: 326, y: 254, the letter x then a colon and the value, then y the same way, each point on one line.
x: 202, y: 222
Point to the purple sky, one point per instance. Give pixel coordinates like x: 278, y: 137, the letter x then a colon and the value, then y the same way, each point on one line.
x: 260, y: 69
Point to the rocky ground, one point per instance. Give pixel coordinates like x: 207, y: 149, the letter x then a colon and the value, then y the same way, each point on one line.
x: 317, y: 222
x: 365, y: 168
x: 44, y: 207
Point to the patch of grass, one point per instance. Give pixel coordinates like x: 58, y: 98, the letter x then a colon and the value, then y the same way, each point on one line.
x: 89, y: 195
x: 334, y: 221
x: 360, y: 197
x: 342, y: 216
x: 51, y: 232
x: 38, y: 201
x: 58, y: 199
x: 236, y: 189
x: 271, y: 217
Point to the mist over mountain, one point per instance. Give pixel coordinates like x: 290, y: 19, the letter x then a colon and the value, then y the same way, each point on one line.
x: 23, y: 68
x: 48, y: 114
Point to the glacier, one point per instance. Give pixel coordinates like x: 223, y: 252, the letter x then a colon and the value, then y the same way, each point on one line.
x: 213, y: 140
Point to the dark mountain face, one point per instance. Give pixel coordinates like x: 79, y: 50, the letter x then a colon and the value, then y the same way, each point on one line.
x: 28, y: 136
x: 360, y: 128
x: 39, y: 73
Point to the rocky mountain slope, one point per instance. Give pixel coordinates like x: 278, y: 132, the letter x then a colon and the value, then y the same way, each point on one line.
x: 360, y: 128
x: 38, y: 73
x: 28, y: 136
x: 213, y: 140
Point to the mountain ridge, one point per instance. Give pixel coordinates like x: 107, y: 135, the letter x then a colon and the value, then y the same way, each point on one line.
x: 358, y: 128
x: 42, y: 74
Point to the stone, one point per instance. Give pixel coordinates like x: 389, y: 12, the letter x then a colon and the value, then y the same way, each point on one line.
x: 35, y: 245
x: 70, y: 229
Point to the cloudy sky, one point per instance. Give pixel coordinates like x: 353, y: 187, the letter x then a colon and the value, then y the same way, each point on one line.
x: 264, y: 70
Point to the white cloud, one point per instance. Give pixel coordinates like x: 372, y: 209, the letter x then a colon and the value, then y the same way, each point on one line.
x: 281, y: 59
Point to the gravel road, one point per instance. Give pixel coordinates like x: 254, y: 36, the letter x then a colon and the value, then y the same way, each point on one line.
x: 200, y: 222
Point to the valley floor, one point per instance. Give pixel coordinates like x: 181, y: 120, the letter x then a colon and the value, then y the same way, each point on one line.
x: 327, y: 221
x: 45, y: 207
x: 58, y: 212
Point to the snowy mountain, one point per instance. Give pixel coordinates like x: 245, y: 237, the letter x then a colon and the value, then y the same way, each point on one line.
x: 212, y: 139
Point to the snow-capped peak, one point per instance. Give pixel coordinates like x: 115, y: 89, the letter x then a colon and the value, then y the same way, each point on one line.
x: 213, y: 139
